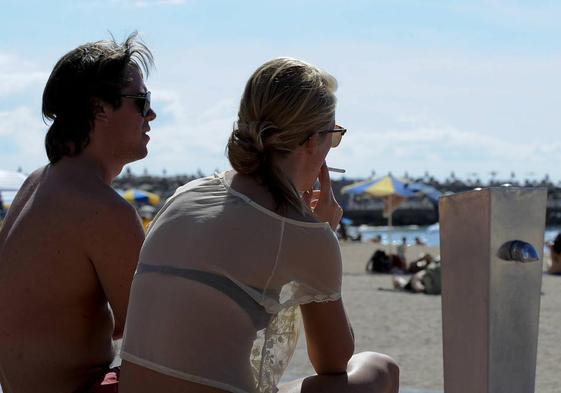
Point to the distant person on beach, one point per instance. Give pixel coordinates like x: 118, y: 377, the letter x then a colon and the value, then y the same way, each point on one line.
x: 231, y: 260
x: 401, y: 250
x: 555, y: 254
x: 426, y: 276
x: 420, y: 263
x: 343, y: 231
x: 70, y: 243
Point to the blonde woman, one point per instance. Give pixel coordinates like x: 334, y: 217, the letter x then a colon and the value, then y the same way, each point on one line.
x: 232, y: 261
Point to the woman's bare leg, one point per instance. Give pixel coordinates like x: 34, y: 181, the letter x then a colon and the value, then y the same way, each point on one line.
x: 367, y: 372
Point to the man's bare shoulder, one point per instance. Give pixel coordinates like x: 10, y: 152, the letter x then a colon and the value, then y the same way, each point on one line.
x: 88, y: 194
x: 107, y: 207
x: 78, y: 202
x: 104, y: 197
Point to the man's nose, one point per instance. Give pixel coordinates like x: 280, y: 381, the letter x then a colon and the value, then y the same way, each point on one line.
x: 151, y: 115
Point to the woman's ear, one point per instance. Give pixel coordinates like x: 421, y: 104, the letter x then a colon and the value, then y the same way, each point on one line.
x: 312, y: 142
x: 315, y: 142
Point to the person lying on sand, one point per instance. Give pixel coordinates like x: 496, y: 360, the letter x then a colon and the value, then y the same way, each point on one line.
x: 555, y: 253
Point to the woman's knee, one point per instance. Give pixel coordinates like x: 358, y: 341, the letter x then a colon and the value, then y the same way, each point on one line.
x: 392, y: 370
x: 379, y: 371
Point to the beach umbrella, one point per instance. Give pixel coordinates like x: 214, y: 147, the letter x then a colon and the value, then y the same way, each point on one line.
x: 10, y: 183
x: 431, y: 193
x: 393, y: 191
x: 379, y: 188
x: 140, y: 197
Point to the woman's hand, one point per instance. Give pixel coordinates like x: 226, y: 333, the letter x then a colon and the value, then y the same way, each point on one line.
x: 322, y: 202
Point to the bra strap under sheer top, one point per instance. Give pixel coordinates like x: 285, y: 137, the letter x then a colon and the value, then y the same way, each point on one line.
x: 255, y: 311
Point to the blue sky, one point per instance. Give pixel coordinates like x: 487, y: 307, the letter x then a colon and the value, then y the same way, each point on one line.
x: 437, y: 86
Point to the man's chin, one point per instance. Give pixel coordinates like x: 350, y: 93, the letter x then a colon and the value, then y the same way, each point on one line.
x: 138, y: 156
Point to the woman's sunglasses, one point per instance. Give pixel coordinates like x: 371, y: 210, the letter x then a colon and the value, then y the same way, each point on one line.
x: 337, y: 132
x: 142, y: 101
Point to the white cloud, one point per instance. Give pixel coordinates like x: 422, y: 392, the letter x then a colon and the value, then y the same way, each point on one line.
x: 168, y: 102
x: 190, y: 137
x: 441, y: 150
x: 447, y: 141
x: 22, y: 132
x: 19, y: 76
x: 406, y: 111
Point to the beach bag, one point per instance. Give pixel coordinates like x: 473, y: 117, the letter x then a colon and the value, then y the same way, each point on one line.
x: 432, y: 280
x: 379, y: 263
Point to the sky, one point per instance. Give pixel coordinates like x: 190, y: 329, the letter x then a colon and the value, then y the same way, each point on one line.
x: 472, y: 88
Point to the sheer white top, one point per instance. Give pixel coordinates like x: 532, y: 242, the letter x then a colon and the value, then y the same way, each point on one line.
x: 215, y: 297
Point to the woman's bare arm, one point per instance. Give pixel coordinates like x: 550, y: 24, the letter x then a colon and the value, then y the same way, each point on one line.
x: 329, y: 336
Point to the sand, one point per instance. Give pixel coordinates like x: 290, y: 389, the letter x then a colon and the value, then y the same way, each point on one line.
x: 408, y: 326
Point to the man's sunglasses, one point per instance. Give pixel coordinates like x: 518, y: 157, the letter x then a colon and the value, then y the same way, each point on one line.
x: 142, y: 101
x: 337, y: 132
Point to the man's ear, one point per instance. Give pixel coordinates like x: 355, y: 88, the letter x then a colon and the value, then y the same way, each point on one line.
x: 100, y: 109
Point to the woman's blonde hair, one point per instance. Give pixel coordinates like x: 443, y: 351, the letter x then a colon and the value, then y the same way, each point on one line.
x: 284, y: 103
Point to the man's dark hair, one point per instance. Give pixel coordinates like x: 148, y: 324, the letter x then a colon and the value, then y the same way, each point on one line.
x: 93, y: 71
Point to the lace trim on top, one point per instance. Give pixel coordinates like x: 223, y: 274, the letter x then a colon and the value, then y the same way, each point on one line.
x: 286, y: 298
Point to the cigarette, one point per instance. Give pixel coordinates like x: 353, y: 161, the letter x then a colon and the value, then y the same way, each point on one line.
x: 336, y: 170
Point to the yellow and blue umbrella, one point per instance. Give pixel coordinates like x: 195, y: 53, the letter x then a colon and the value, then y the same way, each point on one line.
x: 393, y: 190
x: 380, y: 188
x: 392, y: 186
x: 141, y: 197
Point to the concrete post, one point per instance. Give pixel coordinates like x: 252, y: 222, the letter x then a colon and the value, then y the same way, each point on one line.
x: 491, y: 244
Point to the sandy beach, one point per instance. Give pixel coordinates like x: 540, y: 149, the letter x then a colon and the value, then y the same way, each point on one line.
x: 408, y: 326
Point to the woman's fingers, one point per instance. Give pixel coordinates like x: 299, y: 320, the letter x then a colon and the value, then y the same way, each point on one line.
x: 327, y: 209
x: 313, y: 204
x: 325, y: 183
x: 307, y: 197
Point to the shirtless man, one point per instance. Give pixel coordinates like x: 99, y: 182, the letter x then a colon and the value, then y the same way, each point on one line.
x: 70, y: 244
